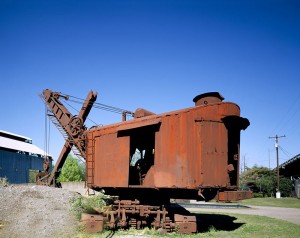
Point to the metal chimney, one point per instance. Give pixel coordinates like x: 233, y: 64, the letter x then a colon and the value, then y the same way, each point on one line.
x: 208, y: 98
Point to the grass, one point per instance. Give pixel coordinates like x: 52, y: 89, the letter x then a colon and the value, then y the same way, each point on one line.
x: 219, y: 225
x: 272, y: 202
x: 225, y: 225
x: 240, y: 225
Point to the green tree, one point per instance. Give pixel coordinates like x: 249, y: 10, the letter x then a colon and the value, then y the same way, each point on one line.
x: 267, y: 184
x: 263, y: 180
x: 256, y: 178
x: 72, y: 170
x: 285, y: 187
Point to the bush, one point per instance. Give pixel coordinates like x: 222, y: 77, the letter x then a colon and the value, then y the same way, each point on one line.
x: 32, y: 175
x: 285, y: 187
x: 4, y: 182
x: 92, y: 204
x: 258, y: 195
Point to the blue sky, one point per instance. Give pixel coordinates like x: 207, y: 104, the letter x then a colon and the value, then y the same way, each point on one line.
x: 157, y: 55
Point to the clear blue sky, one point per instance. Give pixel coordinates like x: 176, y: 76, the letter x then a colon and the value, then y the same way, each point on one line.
x: 157, y: 55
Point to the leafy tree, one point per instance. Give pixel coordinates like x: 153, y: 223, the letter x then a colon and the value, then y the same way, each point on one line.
x: 72, y: 170
x: 254, y: 178
x: 267, y: 185
x: 83, y: 170
x: 285, y: 186
x: 263, y: 180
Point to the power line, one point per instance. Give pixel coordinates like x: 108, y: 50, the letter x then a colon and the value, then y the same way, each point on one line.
x: 286, y: 117
x: 288, y: 154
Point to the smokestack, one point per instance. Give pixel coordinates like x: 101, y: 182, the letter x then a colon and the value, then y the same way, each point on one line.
x: 208, y: 98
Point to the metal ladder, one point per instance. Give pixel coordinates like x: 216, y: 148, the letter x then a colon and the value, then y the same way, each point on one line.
x: 90, y: 161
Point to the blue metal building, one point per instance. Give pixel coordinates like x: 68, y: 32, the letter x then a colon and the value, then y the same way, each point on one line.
x: 18, y: 156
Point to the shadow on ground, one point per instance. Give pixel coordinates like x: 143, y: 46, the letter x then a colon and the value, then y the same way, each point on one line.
x: 206, y: 222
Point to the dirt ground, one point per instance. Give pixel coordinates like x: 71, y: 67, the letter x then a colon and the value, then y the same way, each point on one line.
x: 36, y: 211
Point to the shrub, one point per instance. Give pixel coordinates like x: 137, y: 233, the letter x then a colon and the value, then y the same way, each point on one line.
x: 91, y: 204
x: 4, y: 182
x: 258, y: 195
x: 285, y: 187
x: 32, y: 175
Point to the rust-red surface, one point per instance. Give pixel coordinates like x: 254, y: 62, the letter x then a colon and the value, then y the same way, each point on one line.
x: 194, y: 148
x: 73, y: 127
x: 191, y: 153
x: 228, y: 196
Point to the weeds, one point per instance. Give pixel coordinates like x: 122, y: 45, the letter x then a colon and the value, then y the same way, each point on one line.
x: 4, y: 182
x: 91, y: 204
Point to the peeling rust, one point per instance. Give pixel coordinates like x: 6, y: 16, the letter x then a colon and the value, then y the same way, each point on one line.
x: 192, y: 153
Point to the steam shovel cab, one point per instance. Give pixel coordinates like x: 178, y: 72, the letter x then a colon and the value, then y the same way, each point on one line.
x: 191, y: 153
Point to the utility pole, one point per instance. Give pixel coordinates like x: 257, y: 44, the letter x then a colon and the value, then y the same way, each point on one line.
x: 269, y: 159
x: 243, y: 164
x: 277, y: 159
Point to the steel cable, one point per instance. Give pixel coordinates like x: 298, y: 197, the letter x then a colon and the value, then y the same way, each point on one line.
x: 99, y: 105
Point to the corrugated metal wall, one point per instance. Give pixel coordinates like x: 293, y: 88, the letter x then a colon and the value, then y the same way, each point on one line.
x: 16, y: 166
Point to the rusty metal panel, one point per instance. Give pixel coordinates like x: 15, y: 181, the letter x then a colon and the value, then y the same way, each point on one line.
x: 129, y: 126
x: 140, y: 112
x: 185, y: 224
x: 228, y: 196
x: 213, y: 154
x: 92, y: 222
x: 176, y: 162
x: 169, y: 163
x: 190, y: 149
x: 111, y: 161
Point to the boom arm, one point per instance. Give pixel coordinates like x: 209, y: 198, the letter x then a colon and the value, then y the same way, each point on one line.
x: 72, y: 127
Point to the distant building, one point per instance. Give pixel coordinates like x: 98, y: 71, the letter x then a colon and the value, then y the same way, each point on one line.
x: 291, y: 169
x: 18, y: 156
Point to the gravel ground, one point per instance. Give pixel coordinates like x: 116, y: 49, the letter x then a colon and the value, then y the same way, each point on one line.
x: 36, y: 211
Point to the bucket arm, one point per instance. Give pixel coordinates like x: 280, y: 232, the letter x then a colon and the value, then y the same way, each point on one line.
x: 72, y: 128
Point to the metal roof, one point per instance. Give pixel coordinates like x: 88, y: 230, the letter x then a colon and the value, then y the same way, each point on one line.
x: 291, y: 167
x: 290, y: 161
x: 21, y: 146
x: 16, y: 135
